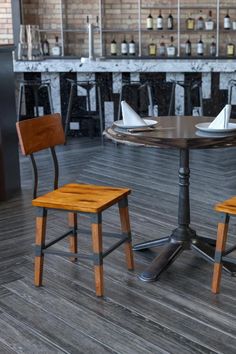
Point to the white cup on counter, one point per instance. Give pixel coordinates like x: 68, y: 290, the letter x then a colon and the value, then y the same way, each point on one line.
x: 234, y: 25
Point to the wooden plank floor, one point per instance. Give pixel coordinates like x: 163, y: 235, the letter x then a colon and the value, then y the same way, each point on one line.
x: 177, y: 314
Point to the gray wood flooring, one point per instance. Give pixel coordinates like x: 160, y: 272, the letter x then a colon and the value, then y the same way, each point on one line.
x: 177, y: 314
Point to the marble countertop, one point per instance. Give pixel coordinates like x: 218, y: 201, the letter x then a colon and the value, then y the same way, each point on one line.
x: 127, y: 65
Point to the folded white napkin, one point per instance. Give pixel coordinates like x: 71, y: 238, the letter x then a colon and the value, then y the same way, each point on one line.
x: 130, y: 117
x: 222, y: 120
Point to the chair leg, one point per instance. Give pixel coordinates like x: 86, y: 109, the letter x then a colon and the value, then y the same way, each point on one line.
x: 41, y: 221
x: 220, y: 247
x: 97, y: 253
x: 125, y: 227
x: 72, y: 222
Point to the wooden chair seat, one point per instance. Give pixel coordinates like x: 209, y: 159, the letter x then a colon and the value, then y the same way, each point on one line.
x: 228, y: 206
x: 46, y: 132
x: 85, y: 198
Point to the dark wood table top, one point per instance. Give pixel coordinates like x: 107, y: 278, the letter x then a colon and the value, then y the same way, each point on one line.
x: 176, y: 132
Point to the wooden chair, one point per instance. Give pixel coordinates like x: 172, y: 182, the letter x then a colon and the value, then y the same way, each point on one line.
x: 44, y: 132
x: 227, y: 209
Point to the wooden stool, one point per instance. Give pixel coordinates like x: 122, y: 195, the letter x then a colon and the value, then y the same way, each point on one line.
x: 227, y: 208
x: 44, y: 132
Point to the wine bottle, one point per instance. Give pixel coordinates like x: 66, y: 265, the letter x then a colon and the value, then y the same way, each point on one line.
x: 152, y: 49
x: 45, y: 46
x: 190, y: 23
x: 132, y: 48
x: 113, y: 48
x: 124, y: 47
x: 56, y: 49
x: 213, y: 47
x: 188, y: 47
x: 230, y: 49
x: 170, y: 22
x: 162, y: 47
x: 209, y: 23
x: 150, y: 22
x: 159, y: 21
x: 171, y: 50
x: 200, y: 22
x: 227, y: 21
x: 200, y: 47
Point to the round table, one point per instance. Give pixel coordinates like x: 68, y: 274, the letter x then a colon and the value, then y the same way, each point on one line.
x: 177, y: 132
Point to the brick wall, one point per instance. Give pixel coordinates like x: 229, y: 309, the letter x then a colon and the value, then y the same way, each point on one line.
x: 123, y: 15
x: 6, y: 34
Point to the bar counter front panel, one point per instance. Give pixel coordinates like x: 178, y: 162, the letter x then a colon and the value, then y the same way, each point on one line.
x: 214, y: 73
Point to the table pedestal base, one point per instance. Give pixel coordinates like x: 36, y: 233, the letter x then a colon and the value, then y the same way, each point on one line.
x: 205, y: 247
x: 183, y: 237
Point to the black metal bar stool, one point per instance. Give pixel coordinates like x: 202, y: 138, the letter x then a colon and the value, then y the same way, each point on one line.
x: 138, y: 89
x: 36, y: 86
x: 85, y: 112
x: 190, y: 88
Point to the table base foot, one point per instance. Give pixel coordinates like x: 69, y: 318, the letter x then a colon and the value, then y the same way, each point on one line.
x: 150, y: 244
x: 162, y: 261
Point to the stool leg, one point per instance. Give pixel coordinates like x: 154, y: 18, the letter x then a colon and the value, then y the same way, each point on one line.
x: 100, y: 112
x: 97, y: 253
x: 50, y: 99
x: 125, y: 227
x: 201, y: 101
x: 19, y: 104
x: 220, y: 247
x: 69, y: 110
x: 41, y: 220
x: 72, y: 222
x: 172, y: 97
x: 36, y: 99
x: 149, y: 90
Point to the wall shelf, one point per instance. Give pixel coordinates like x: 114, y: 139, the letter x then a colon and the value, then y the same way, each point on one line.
x: 115, y: 19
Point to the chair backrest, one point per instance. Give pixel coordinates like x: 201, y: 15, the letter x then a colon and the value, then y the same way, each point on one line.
x: 37, y: 134
x: 40, y: 133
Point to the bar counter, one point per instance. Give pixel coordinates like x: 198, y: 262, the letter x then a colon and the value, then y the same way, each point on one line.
x: 183, y: 65
x: 215, y: 75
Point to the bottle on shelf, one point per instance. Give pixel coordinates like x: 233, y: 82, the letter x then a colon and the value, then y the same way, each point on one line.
x: 113, y: 47
x: 152, y: 49
x: 162, y: 47
x: 200, y: 22
x: 45, y: 46
x: 190, y: 23
x: 160, y: 21
x: 200, y: 47
x: 170, y: 22
x: 124, y: 47
x: 56, y: 49
x: 230, y: 49
x: 171, y: 49
x: 132, y: 47
x: 227, y: 21
x: 209, y: 23
x: 213, y: 47
x: 188, y: 47
x: 149, y: 23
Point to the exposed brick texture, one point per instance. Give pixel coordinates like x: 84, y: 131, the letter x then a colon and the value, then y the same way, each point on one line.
x: 6, y: 35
